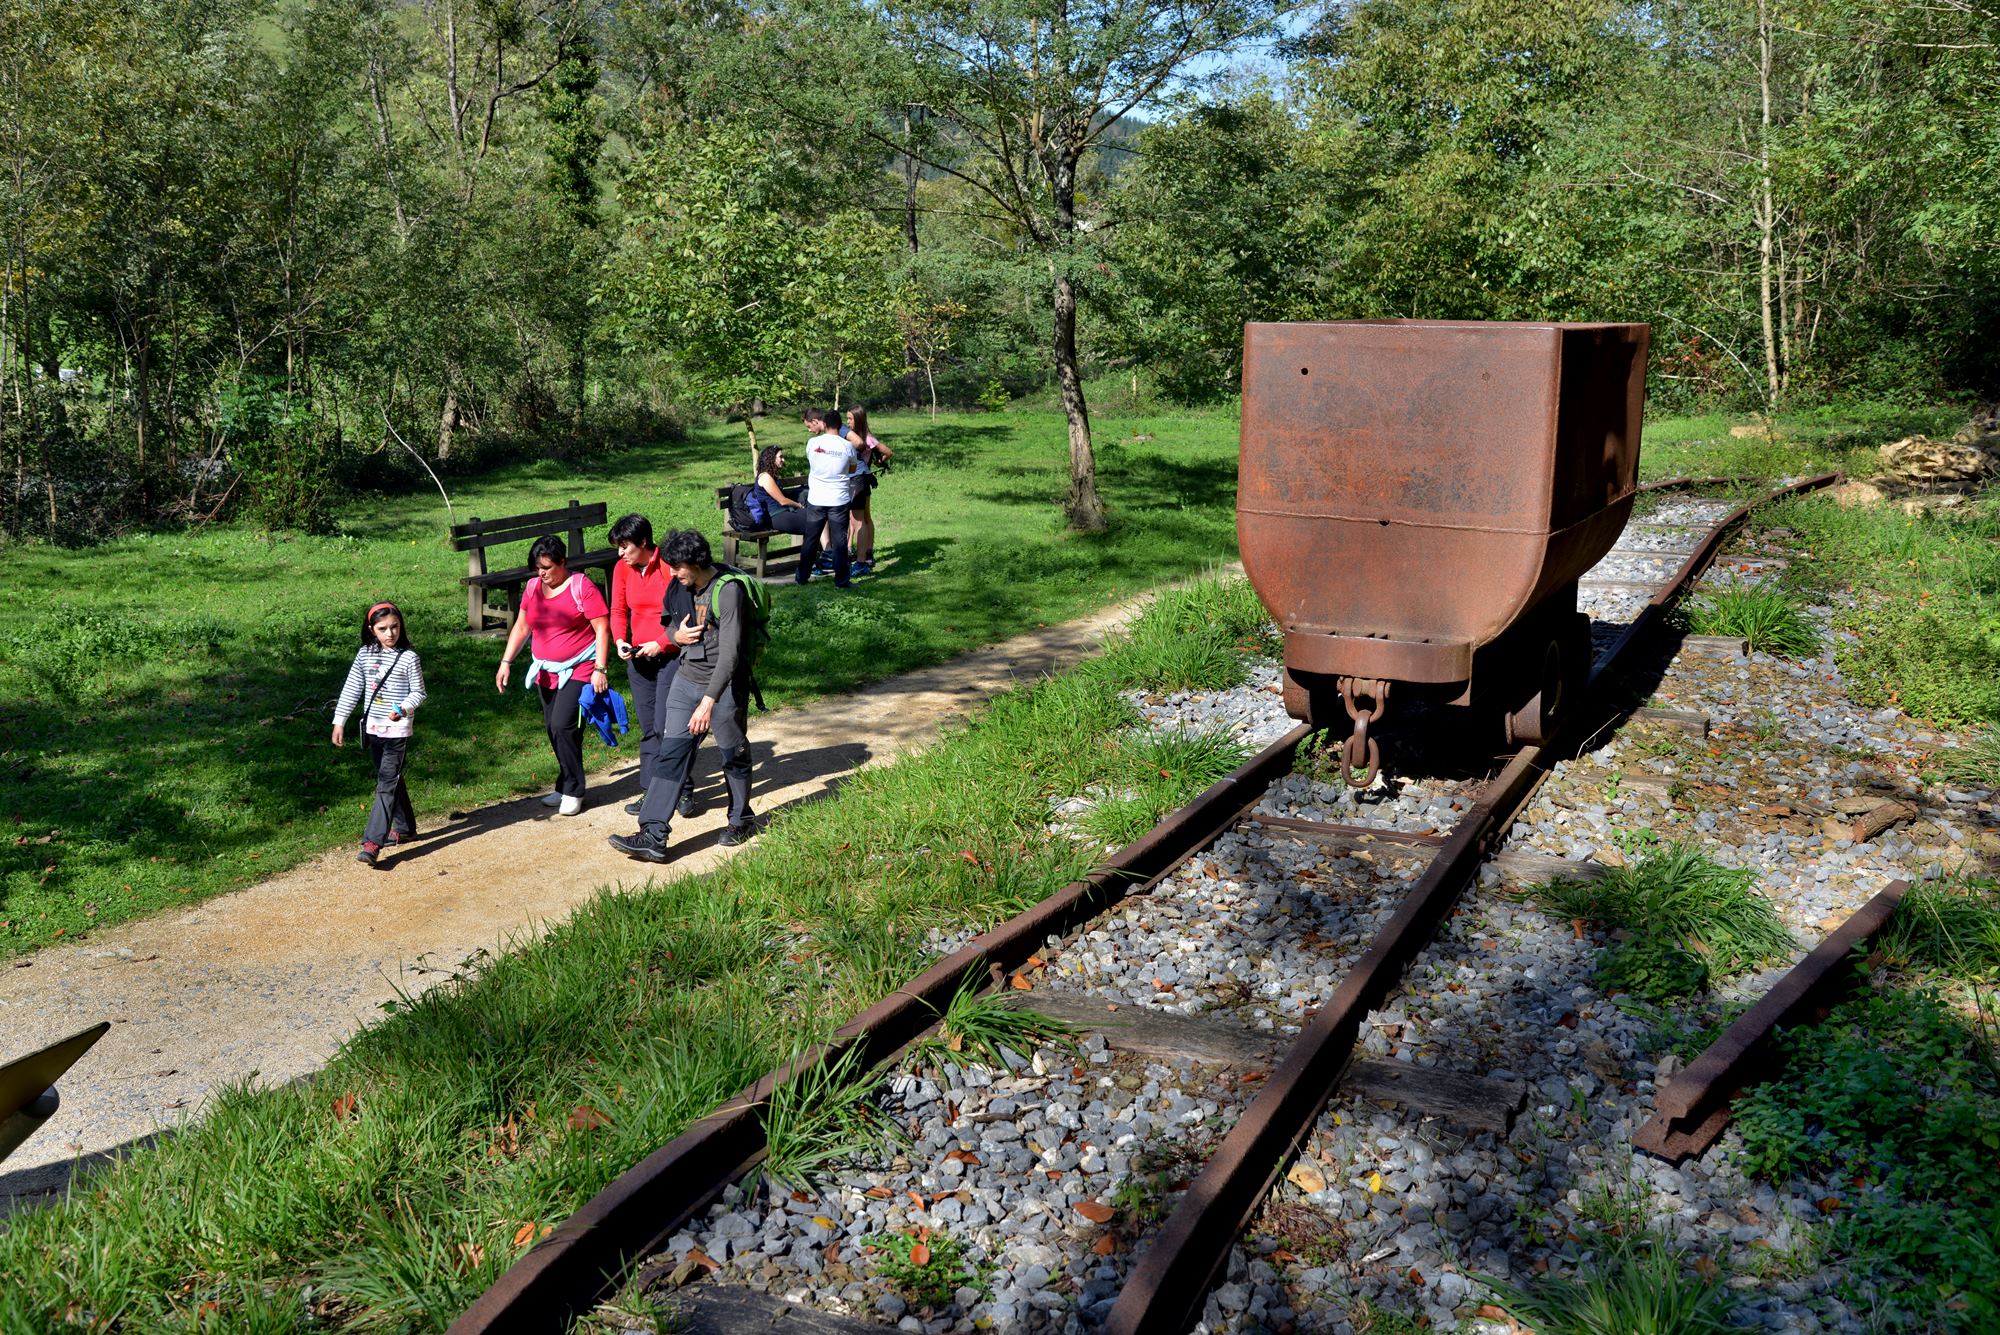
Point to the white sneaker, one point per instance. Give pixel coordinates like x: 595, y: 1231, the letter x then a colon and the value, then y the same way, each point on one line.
x: 570, y: 806
x: 552, y: 799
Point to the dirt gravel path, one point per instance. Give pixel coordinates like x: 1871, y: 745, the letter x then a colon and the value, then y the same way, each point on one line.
x: 269, y: 980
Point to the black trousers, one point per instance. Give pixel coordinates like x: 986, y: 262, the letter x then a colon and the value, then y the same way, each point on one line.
x: 729, y: 722
x: 392, y: 810
x: 650, y: 680
x: 789, y: 519
x: 834, y: 519
x: 565, y: 727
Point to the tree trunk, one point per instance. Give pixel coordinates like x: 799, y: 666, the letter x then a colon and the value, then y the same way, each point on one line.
x: 1766, y: 211
x: 1082, y: 507
x: 750, y: 425
x: 448, y: 422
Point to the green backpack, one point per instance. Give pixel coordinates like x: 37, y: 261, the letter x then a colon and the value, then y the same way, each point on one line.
x: 757, y: 601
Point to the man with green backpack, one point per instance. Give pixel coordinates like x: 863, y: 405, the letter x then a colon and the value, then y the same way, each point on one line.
x: 719, y: 648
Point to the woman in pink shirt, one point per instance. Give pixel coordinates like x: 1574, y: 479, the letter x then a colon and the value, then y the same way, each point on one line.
x: 567, y: 626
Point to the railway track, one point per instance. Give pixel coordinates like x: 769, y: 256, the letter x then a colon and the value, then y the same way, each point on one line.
x: 1175, y: 929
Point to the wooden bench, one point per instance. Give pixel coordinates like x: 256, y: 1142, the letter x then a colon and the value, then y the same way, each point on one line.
x: 763, y: 536
x: 477, y: 535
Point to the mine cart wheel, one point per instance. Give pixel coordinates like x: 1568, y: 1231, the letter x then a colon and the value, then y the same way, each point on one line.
x: 1563, y: 668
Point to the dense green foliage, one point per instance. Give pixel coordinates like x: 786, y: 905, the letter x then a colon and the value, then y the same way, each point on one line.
x: 390, y: 1189
x: 251, y: 249
x: 1896, y: 1098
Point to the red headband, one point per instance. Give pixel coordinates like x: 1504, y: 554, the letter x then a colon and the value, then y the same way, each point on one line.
x: 379, y: 606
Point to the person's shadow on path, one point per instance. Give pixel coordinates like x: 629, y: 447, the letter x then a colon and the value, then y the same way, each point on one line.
x: 771, y: 771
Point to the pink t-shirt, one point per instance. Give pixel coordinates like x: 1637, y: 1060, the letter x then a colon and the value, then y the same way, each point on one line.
x: 559, y: 626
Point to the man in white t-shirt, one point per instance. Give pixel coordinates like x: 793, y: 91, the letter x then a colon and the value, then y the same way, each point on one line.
x: 830, y: 469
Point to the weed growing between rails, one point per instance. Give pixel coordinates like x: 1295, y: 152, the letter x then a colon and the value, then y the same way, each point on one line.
x: 441, y: 1141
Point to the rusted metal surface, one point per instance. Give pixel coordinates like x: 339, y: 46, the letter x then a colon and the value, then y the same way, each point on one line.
x: 1691, y: 1112
x: 586, y: 1256
x: 1378, y: 456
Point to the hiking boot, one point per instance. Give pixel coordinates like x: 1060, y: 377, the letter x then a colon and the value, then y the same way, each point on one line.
x: 367, y: 853
x: 690, y: 805
x: 737, y: 834
x: 632, y: 807
x: 398, y: 837
x: 638, y: 846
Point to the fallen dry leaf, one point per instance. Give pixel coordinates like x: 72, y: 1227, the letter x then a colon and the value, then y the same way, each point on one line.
x: 343, y: 1107
x: 583, y: 1117
x: 1306, y: 1178
x: 524, y: 1234
x: 1105, y: 1245
x: 1095, y: 1211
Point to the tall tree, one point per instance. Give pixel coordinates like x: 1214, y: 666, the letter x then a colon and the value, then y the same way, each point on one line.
x: 1018, y: 93
x: 725, y: 264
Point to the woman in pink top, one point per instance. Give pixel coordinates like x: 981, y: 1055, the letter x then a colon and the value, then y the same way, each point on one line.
x: 571, y: 643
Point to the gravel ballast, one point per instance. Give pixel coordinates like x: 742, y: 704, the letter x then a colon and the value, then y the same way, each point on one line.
x: 1046, y: 1173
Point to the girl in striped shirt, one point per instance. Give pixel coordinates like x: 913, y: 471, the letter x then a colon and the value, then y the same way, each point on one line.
x: 388, y: 676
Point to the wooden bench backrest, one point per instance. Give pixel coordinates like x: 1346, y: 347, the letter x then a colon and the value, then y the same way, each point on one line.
x: 478, y: 534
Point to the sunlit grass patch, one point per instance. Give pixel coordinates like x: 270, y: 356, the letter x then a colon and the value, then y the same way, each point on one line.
x: 1763, y: 613
x: 1688, y: 917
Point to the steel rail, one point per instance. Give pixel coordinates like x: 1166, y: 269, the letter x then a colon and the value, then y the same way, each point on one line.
x: 1690, y: 1113
x: 1170, y: 1283
x: 585, y: 1258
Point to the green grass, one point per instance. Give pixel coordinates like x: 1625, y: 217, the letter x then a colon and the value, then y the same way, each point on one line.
x: 1976, y: 762
x: 401, y: 1180
x: 1844, y: 437
x: 982, y: 1027
x: 1635, y: 1288
x: 1896, y: 1096
x: 164, y: 698
x: 1927, y: 630
x: 1764, y: 614
x: 1951, y: 926
x: 1688, y: 917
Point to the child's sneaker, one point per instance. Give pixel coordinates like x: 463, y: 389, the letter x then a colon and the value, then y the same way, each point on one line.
x: 553, y: 799
x: 367, y: 853
x: 570, y: 806
x: 863, y: 568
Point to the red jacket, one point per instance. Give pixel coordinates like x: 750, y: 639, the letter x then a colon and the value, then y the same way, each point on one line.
x: 636, y: 599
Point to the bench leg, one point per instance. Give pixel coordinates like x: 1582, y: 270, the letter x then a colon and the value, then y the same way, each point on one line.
x: 475, y: 607
x: 729, y: 549
x: 763, y: 555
